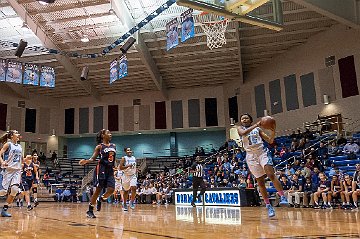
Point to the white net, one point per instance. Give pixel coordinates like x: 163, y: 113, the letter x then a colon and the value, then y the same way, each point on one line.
x: 215, y: 32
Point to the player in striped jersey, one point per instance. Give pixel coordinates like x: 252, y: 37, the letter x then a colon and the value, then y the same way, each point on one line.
x: 259, y: 159
x: 11, y: 160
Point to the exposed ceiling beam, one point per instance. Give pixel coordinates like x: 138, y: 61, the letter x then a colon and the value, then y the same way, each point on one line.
x: 47, y: 42
x: 123, y: 13
x: 344, y: 11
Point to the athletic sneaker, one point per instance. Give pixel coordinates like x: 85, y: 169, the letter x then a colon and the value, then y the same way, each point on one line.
x: 36, y: 203
x: 316, y: 206
x: 98, y: 204
x: 90, y: 214
x: 17, y: 204
x: 283, y: 201
x: 271, y: 211
x: 125, y: 207
x: 132, y: 205
x: 4, y: 213
x: 29, y: 208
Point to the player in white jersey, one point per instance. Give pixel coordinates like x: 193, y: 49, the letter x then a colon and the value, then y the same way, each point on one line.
x: 129, y: 180
x: 118, y: 174
x: 259, y: 159
x: 11, y: 159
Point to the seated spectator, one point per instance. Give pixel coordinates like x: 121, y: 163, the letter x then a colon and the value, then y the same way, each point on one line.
x: 348, y: 191
x: 356, y: 185
x: 322, y: 191
x: 289, y: 170
x: 335, y: 190
x: 322, y: 154
x: 309, y: 190
x: 351, y: 149
x: 242, y: 184
x: 58, y: 194
x: 46, y: 179
x: 294, y: 145
x: 66, y: 194
x: 315, y: 176
x: 286, y: 184
x: 333, y: 149
x: 296, y: 190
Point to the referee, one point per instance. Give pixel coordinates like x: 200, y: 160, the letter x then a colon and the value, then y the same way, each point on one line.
x: 198, y: 181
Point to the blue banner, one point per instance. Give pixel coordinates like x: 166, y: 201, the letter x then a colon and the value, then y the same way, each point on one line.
x: 31, y: 74
x: 3, y: 67
x: 113, y: 71
x: 123, y: 67
x: 47, y: 78
x: 172, y: 35
x: 187, y: 25
x: 14, y: 72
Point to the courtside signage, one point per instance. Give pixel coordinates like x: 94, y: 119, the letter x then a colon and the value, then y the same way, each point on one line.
x: 211, y: 198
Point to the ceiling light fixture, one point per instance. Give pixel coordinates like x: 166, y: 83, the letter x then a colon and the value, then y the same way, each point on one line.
x: 85, y: 39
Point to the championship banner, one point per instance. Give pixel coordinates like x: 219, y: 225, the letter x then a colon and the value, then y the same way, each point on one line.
x: 3, y: 67
x: 47, y: 78
x: 172, y: 35
x: 31, y: 74
x: 187, y: 25
x: 123, y: 67
x: 113, y: 71
x: 14, y: 72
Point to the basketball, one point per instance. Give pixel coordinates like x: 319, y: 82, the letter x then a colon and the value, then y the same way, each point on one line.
x: 268, y: 122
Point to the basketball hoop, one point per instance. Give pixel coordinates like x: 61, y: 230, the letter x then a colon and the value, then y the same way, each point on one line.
x: 214, y: 28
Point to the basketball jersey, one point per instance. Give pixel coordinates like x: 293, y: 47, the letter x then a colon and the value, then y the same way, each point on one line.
x: 119, y: 174
x: 131, y: 170
x: 349, y: 187
x: 107, y: 155
x: 337, y: 186
x: 13, y: 156
x: 28, y: 171
x: 252, y: 142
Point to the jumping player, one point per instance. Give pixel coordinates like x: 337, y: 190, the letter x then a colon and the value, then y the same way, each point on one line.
x: 12, y: 153
x: 104, y: 172
x: 259, y: 159
x: 29, y: 175
x: 36, y: 163
x: 129, y: 180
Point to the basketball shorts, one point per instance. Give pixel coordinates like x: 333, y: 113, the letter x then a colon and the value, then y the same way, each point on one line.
x: 104, y: 177
x: 129, y: 181
x: 26, y: 184
x: 10, y: 178
x: 118, y: 186
x: 256, y: 162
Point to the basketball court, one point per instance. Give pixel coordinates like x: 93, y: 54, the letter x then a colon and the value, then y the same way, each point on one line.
x: 67, y: 220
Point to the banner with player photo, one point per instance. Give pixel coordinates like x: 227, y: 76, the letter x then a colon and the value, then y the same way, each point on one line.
x: 113, y: 71
x: 3, y: 67
x: 187, y: 25
x: 123, y: 67
x: 47, y: 77
x: 172, y: 35
x: 14, y: 72
x: 31, y: 74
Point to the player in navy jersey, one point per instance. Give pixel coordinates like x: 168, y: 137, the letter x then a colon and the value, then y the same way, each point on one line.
x: 28, y: 177
x: 104, y: 172
x: 259, y: 159
x: 10, y: 160
x: 36, y: 163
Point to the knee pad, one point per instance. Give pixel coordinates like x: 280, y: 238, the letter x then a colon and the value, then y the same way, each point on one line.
x: 14, y: 190
x: 34, y: 190
x: 3, y: 192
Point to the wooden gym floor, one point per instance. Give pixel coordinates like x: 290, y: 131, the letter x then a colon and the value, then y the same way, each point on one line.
x: 68, y: 220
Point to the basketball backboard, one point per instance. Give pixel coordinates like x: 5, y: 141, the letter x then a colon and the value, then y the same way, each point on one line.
x: 238, y: 10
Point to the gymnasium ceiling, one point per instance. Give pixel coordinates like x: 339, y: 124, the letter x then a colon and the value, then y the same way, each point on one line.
x: 62, y: 24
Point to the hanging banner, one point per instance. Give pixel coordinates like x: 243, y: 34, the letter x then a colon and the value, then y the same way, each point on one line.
x: 14, y: 72
x: 113, y: 71
x: 47, y: 77
x: 31, y: 74
x: 123, y: 67
x: 187, y: 25
x: 172, y: 35
x: 3, y: 67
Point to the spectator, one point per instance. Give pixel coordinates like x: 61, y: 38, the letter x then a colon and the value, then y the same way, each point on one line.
x: 348, y: 191
x: 58, y: 194
x: 46, y: 179
x: 335, y: 190
x: 356, y: 185
x: 351, y: 149
x: 296, y: 190
x: 315, y: 176
x: 309, y: 189
x: 66, y: 194
x: 322, y: 191
x: 286, y: 184
x: 333, y: 150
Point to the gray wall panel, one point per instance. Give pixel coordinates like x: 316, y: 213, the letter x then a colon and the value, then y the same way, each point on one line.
x: 275, y: 97
x: 326, y: 83
x: 44, y: 121
x: 128, y: 116
x: 98, y: 119
x: 308, y: 89
x: 177, y: 114
x: 15, y: 121
x: 260, y: 100
x: 83, y: 120
x: 194, y: 112
x: 144, y: 117
x: 291, y: 94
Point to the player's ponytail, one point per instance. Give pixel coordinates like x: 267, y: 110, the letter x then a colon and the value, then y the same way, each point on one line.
x: 6, y: 136
x: 99, y: 136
